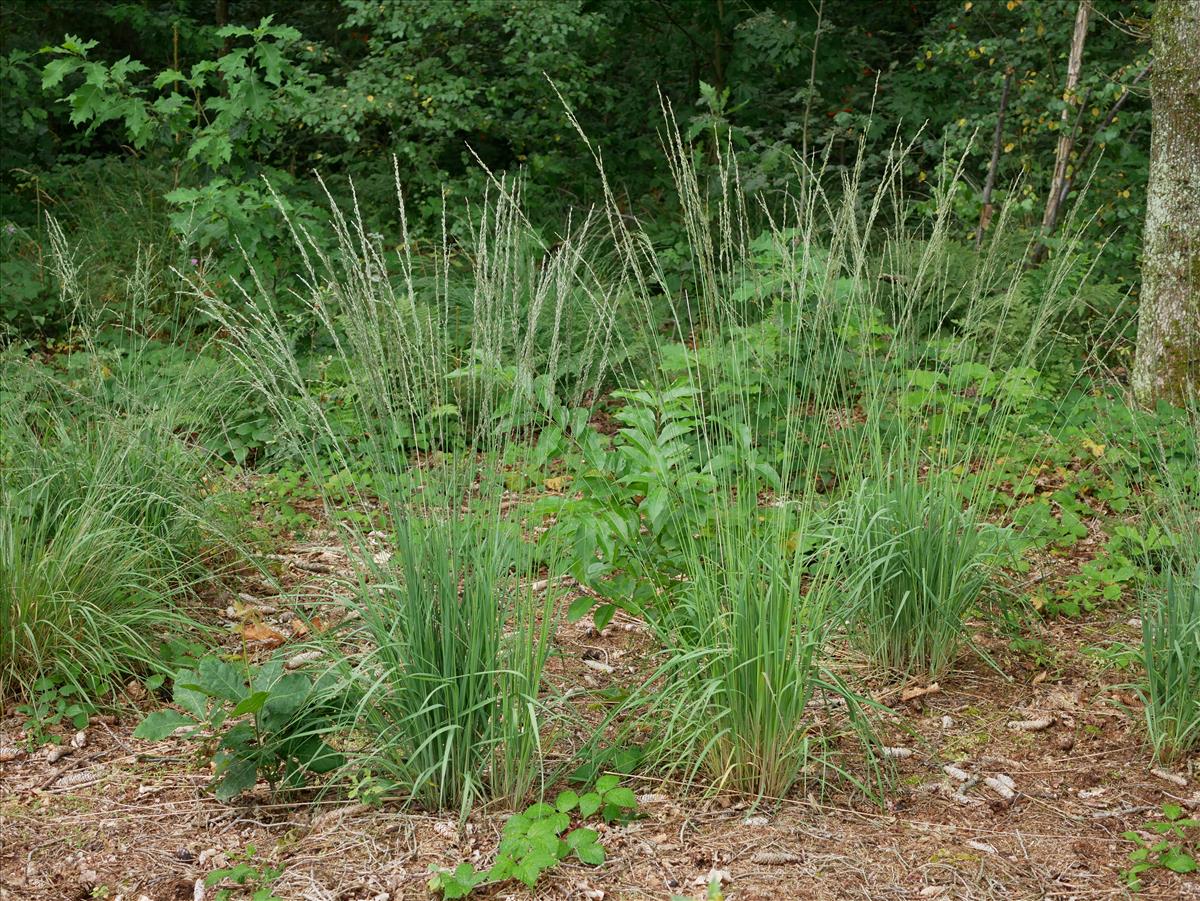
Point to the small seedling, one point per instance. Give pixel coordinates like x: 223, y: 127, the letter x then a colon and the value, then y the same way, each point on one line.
x: 538, y: 839
x: 244, y: 872
x: 367, y: 788
x: 52, y: 703
x: 1174, y: 849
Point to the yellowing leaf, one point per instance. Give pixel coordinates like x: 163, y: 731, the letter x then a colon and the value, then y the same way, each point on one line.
x: 1096, y: 450
x: 242, y: 610
x: 556, y: 483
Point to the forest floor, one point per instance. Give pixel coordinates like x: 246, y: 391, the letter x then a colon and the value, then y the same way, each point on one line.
x: 124, y: 818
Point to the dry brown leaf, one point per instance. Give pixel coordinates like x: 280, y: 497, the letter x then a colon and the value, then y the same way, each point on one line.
x: 301, y: 628
x: 261, y: 633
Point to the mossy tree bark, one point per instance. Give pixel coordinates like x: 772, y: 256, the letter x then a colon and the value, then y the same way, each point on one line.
x: 1168, y: 344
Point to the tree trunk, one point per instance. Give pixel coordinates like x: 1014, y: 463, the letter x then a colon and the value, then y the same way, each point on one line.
x: 1066, y: 138
x: 985, y: 215
x: 1168, y: 344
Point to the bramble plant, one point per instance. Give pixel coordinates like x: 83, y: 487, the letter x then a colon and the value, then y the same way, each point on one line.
x: 1171, y: 847
x: 257, y: 879
x: 541, y: 837
x: 51, y: 702
x: 369, y: 789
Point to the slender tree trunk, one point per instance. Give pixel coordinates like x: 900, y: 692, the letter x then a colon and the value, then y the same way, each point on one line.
x: 1168, y: 345
x: 222, y: 19
x: 719, y: 49
x: 1066, y: 135
x: 985, y: 216
x: 1082, y: 157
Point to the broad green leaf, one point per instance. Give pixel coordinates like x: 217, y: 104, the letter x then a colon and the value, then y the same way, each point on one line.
x: 160, y: 724
x: 185, y: 695
x: 271, y: 59
x: 251, y: 703
x: 238, y: 777
x: 220, y: 679
x: 589, y: 804
x: 621, y: 796
x: 182, y: 196
x: 167, y: 76
x: 579, y: 607
x: 603, y: 616
x: 287, y: 697
x: 1178, y: 861
x: 58, y: 69
x: 581, y: 836
x: 239, y: 737
x: 566, y: 801
x: 315, y: 755
x: 591, y: 853
x: 267, y: 675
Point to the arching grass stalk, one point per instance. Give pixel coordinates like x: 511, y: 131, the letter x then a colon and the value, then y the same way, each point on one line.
x: 108, y: 520
x: 743, y: 701
x: 1169, y: 508
x: 1171, y: 657
x: 917, y: 564
x: 449, y: 372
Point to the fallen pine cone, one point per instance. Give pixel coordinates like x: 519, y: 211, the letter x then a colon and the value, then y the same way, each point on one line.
x: 1038, y: 725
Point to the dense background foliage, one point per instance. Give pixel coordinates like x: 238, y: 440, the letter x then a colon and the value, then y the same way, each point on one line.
x: 163, y: 123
